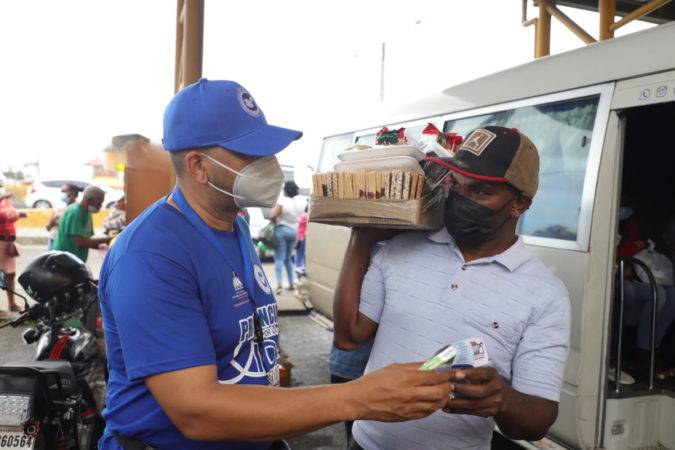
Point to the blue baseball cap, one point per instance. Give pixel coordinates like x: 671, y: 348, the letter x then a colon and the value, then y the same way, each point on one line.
x: 222, y: 113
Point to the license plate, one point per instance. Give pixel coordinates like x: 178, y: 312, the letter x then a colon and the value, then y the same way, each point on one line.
x: 16, y: 440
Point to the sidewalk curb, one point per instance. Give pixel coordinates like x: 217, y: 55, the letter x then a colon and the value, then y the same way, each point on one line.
x: 32, y: 241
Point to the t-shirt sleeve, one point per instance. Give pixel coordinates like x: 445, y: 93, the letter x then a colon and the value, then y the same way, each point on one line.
x: 74, y: 223
x: 372, y: 289
x: 539, y: 362
x: 159, y: 316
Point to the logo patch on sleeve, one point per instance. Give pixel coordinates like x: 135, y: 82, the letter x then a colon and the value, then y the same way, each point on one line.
x: 478, y: 141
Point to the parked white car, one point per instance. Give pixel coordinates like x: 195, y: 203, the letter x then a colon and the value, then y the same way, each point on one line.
x: 46, y: 193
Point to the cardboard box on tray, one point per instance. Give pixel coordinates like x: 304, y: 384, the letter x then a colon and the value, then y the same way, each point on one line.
x: 425, y: 213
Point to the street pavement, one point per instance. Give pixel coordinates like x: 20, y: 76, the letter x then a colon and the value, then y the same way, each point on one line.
x: 306, y: 343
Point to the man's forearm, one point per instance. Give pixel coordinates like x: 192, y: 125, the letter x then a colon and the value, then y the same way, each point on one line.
x: 82, y: 241
x: 348, y: 291
x: 525, y: 416
x: 259, y: 413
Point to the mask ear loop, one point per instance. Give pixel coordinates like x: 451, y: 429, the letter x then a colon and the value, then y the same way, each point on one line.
x: 221, y: 190
x: 224, y: 166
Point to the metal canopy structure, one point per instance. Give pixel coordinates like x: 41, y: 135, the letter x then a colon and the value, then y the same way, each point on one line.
x: 665, y: 13
x: 189, y: 42
x: 656, y: 11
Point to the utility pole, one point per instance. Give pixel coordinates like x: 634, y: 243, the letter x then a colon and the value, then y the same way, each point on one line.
x: 189, y: 42
x: 382, y: 73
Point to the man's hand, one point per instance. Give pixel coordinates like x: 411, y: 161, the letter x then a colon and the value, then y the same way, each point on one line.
x: 353, y: 329
x: 401, y: 392
x: 484, y: 391
x: 519, y: 416
x: 23, y: 214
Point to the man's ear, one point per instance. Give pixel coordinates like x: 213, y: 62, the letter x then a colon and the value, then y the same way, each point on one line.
x: 195, y: 167
x: 521, y: 204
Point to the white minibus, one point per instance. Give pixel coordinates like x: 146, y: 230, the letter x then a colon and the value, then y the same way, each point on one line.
x: 603, y: 119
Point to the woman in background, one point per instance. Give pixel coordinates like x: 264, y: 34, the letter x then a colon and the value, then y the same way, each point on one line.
x: 286, y: 216
x: 8, y: 251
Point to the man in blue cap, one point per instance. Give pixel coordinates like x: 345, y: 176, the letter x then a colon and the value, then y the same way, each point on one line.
x: 189, y: 315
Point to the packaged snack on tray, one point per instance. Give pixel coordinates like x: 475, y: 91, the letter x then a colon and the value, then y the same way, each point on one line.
x: 436, y: 143
x: 391, y: 137
x: 453, y: 141
x: 465, y: 354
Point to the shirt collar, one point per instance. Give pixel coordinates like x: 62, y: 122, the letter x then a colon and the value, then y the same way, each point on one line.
x: 511, y: 258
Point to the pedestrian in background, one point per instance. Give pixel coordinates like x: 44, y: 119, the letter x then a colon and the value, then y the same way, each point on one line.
x: 76, y: 226
x: 286, y: 216
x: 117, y: 219
x: 300, y: 248
x: 69, y: 193
x: 8, y: 251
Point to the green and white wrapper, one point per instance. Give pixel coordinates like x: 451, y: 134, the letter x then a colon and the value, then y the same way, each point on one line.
x: 464, y: 354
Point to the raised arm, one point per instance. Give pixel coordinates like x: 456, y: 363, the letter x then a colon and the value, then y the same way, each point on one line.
x: 352, y: 328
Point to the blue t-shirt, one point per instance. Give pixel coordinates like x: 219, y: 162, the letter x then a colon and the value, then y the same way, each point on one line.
x: 171, y: 301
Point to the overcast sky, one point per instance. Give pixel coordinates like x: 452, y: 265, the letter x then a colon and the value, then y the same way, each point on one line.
x: 76, y: 73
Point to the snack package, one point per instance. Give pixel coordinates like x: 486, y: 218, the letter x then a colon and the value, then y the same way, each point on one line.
x: 434, y: 142
x: 465, y: 354
x: 391, y: 137
x: 453, y: 141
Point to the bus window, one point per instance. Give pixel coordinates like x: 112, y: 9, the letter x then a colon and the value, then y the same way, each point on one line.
x: 562, y: 132
x: 366, y: 139
x: 333, y: 146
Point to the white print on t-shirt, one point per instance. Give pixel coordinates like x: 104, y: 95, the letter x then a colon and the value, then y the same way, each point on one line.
x: 250, y: 358
x: 240, y: 295
x: 261, y: 279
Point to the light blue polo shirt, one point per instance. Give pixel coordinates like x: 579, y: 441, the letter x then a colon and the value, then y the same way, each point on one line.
x: 424, y: 296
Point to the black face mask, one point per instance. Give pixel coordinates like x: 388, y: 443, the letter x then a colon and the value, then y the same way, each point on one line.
x: 468, y: 222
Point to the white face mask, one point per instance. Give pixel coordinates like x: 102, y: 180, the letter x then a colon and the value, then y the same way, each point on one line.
x: 258, y: 184
x: 92, y: 209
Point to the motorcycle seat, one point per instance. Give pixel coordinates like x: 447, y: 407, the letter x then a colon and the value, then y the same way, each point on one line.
x: 52, y: 369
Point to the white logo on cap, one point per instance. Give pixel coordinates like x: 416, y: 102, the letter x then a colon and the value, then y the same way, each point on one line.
x: 478, y: 141
x: 261, y: 279
x: 248, y: 103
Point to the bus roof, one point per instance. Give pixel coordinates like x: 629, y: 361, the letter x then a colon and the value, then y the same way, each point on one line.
x: 644, y: 52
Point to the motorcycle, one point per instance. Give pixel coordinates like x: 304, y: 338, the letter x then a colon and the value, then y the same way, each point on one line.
x: 54, y: 402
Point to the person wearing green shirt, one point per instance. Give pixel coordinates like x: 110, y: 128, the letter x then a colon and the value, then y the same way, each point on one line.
x: 75, y: 227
